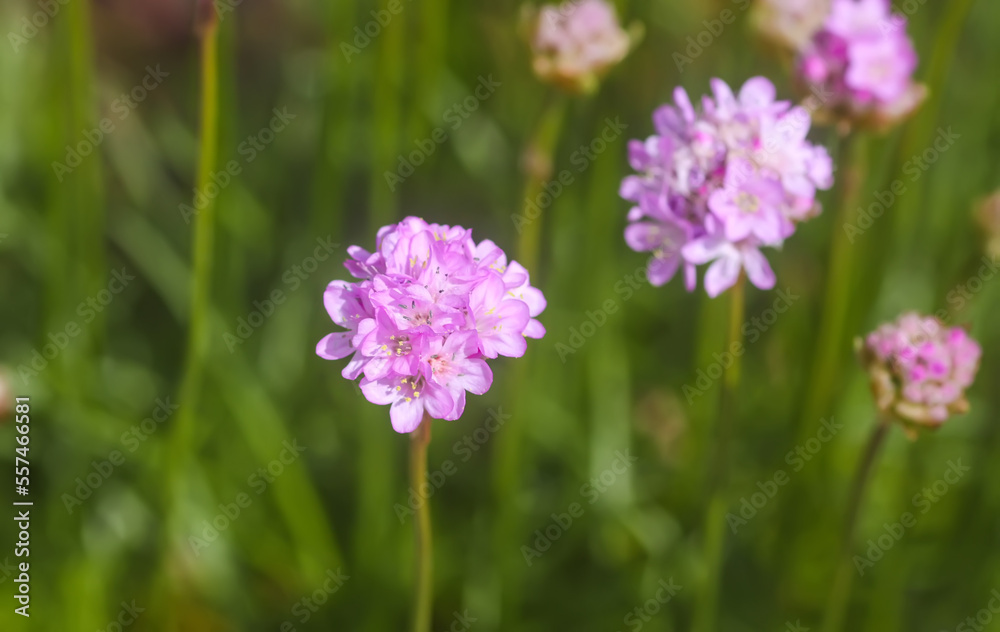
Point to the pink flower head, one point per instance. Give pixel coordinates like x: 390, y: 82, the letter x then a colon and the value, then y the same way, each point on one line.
x: 920, y: 369
x: 716, y: 185
x: 429, y: 307
x: 863, y: 60
x: 576, y: 42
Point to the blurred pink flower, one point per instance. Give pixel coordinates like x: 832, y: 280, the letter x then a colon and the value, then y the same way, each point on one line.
x: 576, y: 43
x: 717, y: 185
x: 920, y: 369
x: 863, y: 59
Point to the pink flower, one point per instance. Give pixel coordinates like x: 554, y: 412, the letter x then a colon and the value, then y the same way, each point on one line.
x: 863, y: 59
x: 430, y: 307
x: 750, y: 205
x: 728, y: 259
x: 577, y: 42
x: 720, y: 184
x: 920, y: 369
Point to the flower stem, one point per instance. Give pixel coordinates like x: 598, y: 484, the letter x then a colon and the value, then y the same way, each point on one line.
x: 854, y: 150
x: 204, y: 239
x: 715, y: 519
x: 538, y: 157
x: 423, y: 596
x: 840, y: 594
x: 178, y: 448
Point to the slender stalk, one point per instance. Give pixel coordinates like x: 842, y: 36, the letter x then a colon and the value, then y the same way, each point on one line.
x: 88, y: 189
x: 178, y: 444
x: 204, y: 239
x: 538, y: 157
x: 423, y: 596
x: 840, y: 594
x: 830, y: 347
x: 715, y: 518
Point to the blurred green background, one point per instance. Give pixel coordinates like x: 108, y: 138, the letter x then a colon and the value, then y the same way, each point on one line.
x: 316, y: 472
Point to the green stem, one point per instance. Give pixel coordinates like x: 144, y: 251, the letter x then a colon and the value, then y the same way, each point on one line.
x: 830, y: 347
x: 423, y: 598
x: 920, y: 132
x: 87, y: 203
x: 539, y: 158
x: 178, y: 447
x: 840, y: 594
x: 715, y: 518
x: 204, y: 239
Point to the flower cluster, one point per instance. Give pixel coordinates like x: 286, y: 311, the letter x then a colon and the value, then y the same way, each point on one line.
x: 864, y: 60
x: 920, y: 369
x: 719, y: 184
x: 790, y: 23
x: 576, y: 42
x: 430, y: 306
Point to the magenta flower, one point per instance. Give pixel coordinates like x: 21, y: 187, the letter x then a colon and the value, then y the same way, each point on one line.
x: 576, y: 43
x: 719, y: 184
x: 863, y: 59
x: 920, y: 369
x: 430, y: 306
